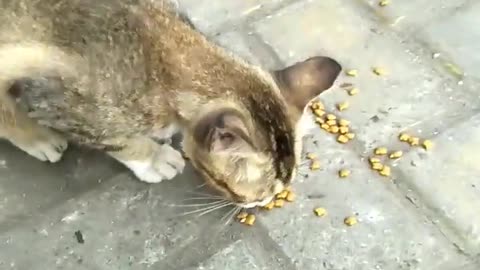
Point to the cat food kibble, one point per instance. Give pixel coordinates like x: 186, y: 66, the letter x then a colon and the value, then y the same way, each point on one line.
x: 379, y: 71
x: 414, y: 141
x: 334, y: 129
x: 350, y: 221
x: 250, y: 219
x: 380, y: 151
x: 242, y: 215
x: 343, y: 130
x: 282, y: 195
x: 352, y: 72
x: 317, y: 105
x: 315, y: 165
x: 342, y: 138
x: 311, y: 156
x: 325, y: 126
x: 331, y: 116
x: 374, y: 160
x: 427, y: 144
x: 343, y: 123
x: 343, y: 173
x: 396, y: 154
x: 353, y: 91
x: 279, y: 203
x: 332, y: 122
x: 319, y: 120
x: 269, y: 206
x: 319, y: 112
x: 403, y: 137
x: 385, y: 171
x: 350, y: 136
x: 320, y: 211
x: 384, y: 3
x: 290, y: 197
x: 343, y: 106
x: 377, y: 166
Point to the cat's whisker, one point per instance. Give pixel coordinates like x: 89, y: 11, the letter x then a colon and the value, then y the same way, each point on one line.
x: 197, y: 204
x: 227, y: 214
x: 202, y: 198
x: 205, y: 208
x: 236, y: 209
x: 214, y: 209
x: 201, y: 185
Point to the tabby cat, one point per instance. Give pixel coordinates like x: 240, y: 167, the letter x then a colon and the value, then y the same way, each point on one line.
x: 121, y: 75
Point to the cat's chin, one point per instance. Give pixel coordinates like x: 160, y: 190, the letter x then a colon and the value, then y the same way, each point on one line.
x: 256, y: 204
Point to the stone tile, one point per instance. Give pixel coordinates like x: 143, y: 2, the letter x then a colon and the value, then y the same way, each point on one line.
x: 232, y: 257
x: 209, y: 17
x: 390, y: 233
x: 447, y: 180
x: 408, y: 15
x: 457, y: 38
x: 411, y: 96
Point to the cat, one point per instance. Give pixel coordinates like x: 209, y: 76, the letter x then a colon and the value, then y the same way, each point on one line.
x: 119, y: 75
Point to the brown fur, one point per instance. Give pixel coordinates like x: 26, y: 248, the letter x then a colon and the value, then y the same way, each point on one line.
x: 112, y: 75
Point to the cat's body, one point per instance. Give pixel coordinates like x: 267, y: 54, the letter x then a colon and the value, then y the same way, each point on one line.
x: 115, y: 75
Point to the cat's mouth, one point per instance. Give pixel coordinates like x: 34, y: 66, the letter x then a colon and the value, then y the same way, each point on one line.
x: 256, y: 204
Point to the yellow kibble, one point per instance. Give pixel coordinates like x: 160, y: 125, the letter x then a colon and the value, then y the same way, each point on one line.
x: 319, y: 112
x: 385, y: 171
x: 325, y: 126
x: 320, y: 211
x: 269, y: 206
x: 396, y: 154
x: 343, y: 106
x: 342, y: 138
x: 319, y: 120
x: 403, y: 137
x: 350, y: 221
x: 316, y: 105
x: 381, y: 151
x: 290, y: 197
x: 353, y: 91
x: 377, y: 166
x: 315, y: 165
x: 311, y: 156
x: 343, y: 122
x: 344, y: 173
x: 343, y: 130
x: 242, y: 220
x: 331, y: 122
x: 334, y: 129
x: 282, y: 195
x: 250, y: 219
x: 278, y: 203
x: 414, y: 141
x: 427, y: 144
x: 242, y: 215
x: 350, y: 136
x: 352, y: 72
x: 379, y: 71
x: 374, y: 160
x: 331, y: 116
x: 384, y: 3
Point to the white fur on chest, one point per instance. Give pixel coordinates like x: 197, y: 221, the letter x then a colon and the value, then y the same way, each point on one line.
x: 165, y: 132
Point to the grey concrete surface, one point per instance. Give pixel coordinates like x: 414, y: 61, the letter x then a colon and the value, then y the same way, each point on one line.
x: 88, y: 212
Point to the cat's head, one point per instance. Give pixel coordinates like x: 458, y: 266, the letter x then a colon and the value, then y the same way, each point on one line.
x: 248, y: 147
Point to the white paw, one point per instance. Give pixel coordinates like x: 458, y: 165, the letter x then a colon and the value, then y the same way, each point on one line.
x: 49, y: 149
x: 165, y: 164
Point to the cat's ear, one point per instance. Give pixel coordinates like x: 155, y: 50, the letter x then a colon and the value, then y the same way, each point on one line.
x: 305, y: 80
x: 222, y: 131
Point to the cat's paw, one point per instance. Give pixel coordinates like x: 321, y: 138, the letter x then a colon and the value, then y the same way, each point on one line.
x: 49, y: 147
x: 165, y: 164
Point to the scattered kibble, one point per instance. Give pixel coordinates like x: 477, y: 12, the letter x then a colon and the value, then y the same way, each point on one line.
x: 311, y: 156
x: 319, y: 120
x: 278, y: 203
x: 343, y: 122
x: 325, y: 126
x: 377, y: 166
x: 384, y: 3
x: 315, y: 165
x: 342, y: 138
x: 243, y: 220
x: 282, y: 195
x: 250, y: 220
x: 414, y: 141
x: 332, y: 122
x: 352, y: 73
x: 385, y: 171
x: 427, y: 144
x: 350, y: 136
x: 374, y: 160
x: 379, y: 71
x: 317, y: 105
x: 343, y: 129
x: 269, y: 206
x: 396, y: 154
x: 320, y: 211
x: 331, y: 117
x: 343, y: 106
x: 319, y: 112
x: 343, y: 173
x: 334, y: 129
x: 403, y: 137
x: 242, y: 215
x: 350, y: 221
x: 353, y: 91
x: 290, y: 197
x: 381, y: 151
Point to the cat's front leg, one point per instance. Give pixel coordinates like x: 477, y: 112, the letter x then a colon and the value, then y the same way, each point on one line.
x: 150, y: 162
